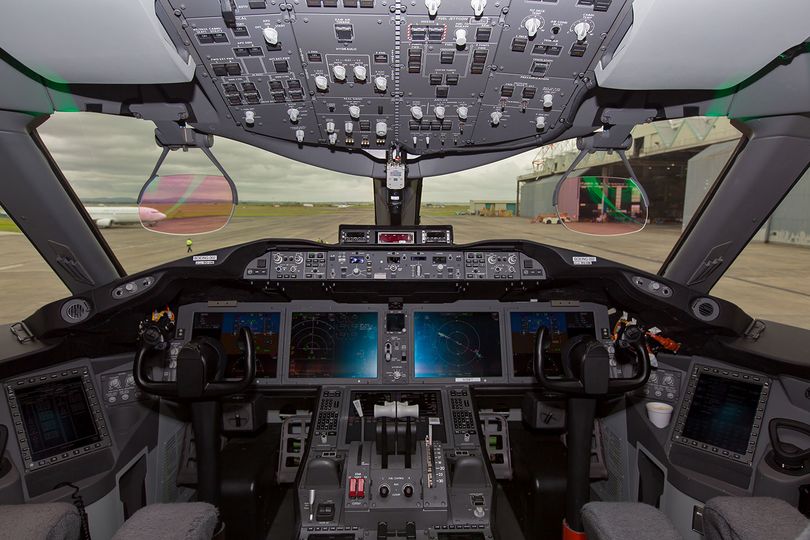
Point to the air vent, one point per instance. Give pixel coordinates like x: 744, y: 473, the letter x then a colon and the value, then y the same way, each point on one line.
x: 705, y: 309
x: 76, y: 310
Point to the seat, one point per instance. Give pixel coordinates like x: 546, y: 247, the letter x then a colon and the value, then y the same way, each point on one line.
x: 749, y: 518
x: 625, y: 520
x: 51, y: 521
x: 175, y: 521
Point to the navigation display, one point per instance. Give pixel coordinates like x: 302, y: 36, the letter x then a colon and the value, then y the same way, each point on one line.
x: 57, y: 417
x: 722, y: 412
x: 457, y: 344
x: 561, y: 326
x: 224, y: 327
x: 334, y: 345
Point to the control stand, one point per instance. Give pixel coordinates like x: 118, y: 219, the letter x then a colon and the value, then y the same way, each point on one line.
x: 392, y: 468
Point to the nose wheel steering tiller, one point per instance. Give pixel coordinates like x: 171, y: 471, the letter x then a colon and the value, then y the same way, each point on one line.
x: 586, y: 364
x: 199, y: 380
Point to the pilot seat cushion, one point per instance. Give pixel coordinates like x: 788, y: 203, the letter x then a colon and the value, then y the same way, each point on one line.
x: 625, y: 521
x: 749, y: 518
x: 177, y: 521
x: 50, y: 521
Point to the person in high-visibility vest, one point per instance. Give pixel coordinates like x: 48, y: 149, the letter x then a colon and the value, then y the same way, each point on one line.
x: 188, y: 245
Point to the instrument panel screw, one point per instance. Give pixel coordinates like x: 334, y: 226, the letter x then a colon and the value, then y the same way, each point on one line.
x: 807, y: 393
x: 177, y: 12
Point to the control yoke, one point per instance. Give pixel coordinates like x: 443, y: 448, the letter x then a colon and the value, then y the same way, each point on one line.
x: 199, y: 370
x: 200, y: 374
x: 586, y: 363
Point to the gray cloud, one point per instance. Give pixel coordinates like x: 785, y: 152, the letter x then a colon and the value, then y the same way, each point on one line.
x: 109, y: 156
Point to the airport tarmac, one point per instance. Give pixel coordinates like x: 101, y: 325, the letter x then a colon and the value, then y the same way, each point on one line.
x: 769, y: 281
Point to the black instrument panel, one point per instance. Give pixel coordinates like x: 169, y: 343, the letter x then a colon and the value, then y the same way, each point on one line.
x: 319, y: 342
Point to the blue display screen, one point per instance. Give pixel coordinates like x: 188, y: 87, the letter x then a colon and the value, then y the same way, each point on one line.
x: 333, y: 345
x: 224, y: 327
x: 560, y: 327
x: 457, y: 344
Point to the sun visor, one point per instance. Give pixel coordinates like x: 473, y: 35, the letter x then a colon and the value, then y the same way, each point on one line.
x: 93, y: 42
x: 702, y: 44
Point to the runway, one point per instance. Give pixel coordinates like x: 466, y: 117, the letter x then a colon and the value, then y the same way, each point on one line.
x: 769, y: 281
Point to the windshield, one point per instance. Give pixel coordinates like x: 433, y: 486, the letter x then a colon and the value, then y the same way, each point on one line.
x: 108, y: 159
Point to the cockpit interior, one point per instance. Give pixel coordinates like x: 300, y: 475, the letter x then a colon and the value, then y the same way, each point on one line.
x: 398, y: 381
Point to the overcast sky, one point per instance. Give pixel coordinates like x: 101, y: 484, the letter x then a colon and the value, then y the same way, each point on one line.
x: 109, y: 156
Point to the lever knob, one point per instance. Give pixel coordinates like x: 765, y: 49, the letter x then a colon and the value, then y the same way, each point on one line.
x: 495, y: 117
x: 293, y: 113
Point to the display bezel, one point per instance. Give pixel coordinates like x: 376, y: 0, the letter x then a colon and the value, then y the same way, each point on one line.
x: 93, y: 403
x: 756, y: 427
x: 324, y: 307
x: 457, y: 307
x: 600, y: 319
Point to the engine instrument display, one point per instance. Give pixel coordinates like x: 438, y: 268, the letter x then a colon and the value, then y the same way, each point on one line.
x: 457, y: 344
x: 560, y: 325
x: 334, y: 345
x: 224, y: 327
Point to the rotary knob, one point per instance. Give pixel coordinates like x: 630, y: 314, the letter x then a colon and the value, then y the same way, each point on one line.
x: 384, y: 491
x: 321, y: 83
x: 359, y: 73
x: 381, y: 129
x: 416, y: 112
x: 439, y: 112
x: 532, y: 25
x: 478, y: 6
x: 462, y: 112
x: 339, y: 72
x: 354, y: 112
x: 250, y: 118
x: 461, y: 38
x: 581, y: 30
x: 277, y: 258
x: 298, y: 259
x: 548, y: 101
x: 407, y: 490
x: 270, y: 36
x: 540, y: 123
x: 433, y: 6
x: 293, y: 113
x: 380, y: 83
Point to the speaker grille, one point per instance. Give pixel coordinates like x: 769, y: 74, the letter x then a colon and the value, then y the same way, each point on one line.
x: 75, y: 310
x: 705, y: 309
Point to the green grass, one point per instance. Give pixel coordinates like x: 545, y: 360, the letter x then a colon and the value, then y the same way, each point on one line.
x: 6, y: 225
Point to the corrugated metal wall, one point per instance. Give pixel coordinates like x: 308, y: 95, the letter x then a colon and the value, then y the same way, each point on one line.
x: 535, y: 197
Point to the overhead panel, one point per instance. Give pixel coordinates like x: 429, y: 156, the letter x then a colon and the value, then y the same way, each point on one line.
x: 427, y: 75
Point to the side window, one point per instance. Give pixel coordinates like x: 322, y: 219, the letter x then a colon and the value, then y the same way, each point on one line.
x: 26, y: 280
x: 770, y: 279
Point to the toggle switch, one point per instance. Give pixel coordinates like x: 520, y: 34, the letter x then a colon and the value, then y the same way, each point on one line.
x: 461, y: 38
x: 548, y: 101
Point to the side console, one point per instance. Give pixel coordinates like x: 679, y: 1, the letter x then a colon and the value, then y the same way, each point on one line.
x: 388, y: 462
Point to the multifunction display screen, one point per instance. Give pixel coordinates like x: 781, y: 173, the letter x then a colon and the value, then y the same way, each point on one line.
x: 57, y: 417
x: 560, y: 327
x: 457, y: 344
x: 334, y: 345
x: 224, y: 327
x: 722, y: 412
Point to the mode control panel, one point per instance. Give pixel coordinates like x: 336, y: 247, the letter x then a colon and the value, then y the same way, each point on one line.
x: 365, y: 264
